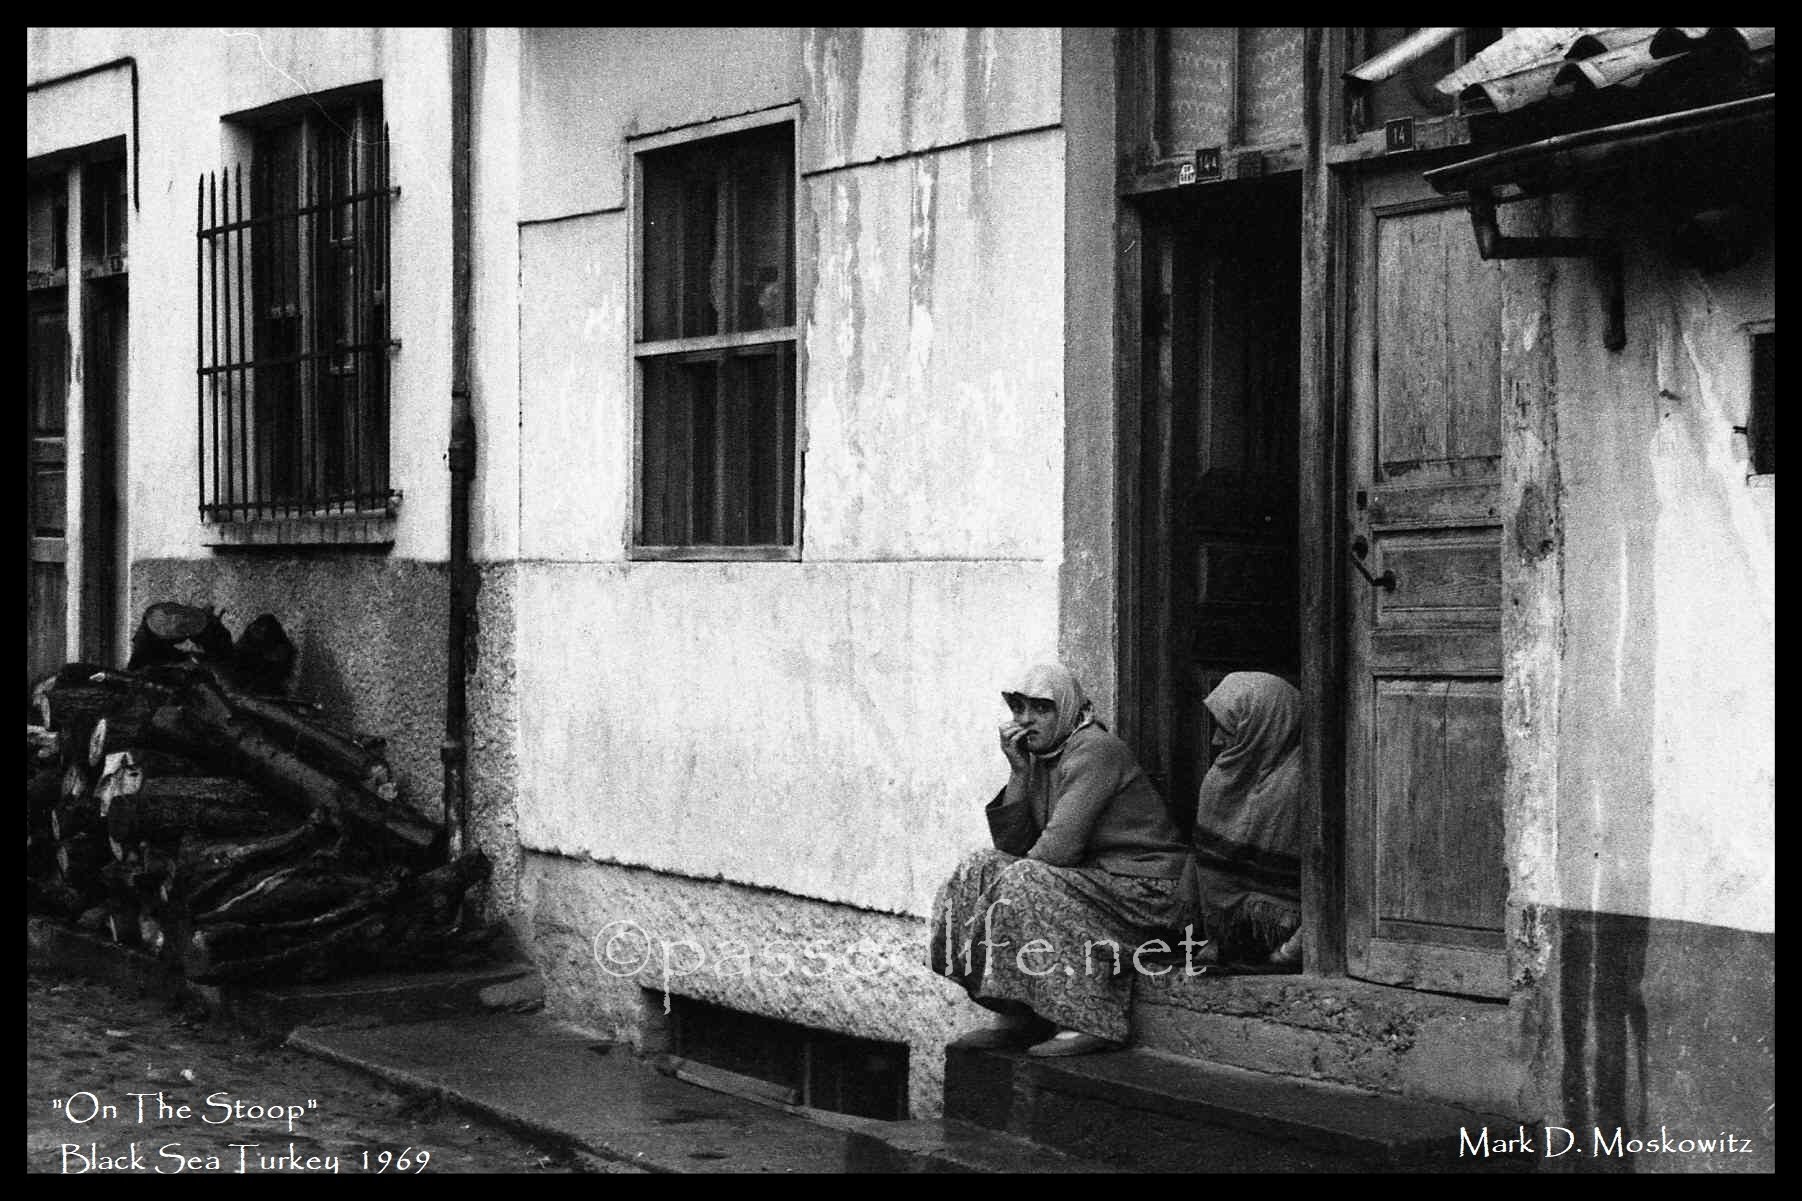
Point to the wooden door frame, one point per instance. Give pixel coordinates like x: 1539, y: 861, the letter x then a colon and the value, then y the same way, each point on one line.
x: 1321, y: 541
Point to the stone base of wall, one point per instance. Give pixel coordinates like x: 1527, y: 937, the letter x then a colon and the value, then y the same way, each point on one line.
x: 604, y: 934
x: 1657, y: 1028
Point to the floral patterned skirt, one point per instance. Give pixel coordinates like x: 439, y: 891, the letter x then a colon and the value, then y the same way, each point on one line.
x: 1057, y: 940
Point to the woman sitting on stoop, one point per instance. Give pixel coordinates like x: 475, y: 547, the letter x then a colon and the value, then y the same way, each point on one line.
x: 1248, y: 825
x: 1086, y: 868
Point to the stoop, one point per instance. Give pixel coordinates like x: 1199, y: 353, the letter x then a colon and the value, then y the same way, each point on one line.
x: 1425, y: 1046
x: 1140, y: 1110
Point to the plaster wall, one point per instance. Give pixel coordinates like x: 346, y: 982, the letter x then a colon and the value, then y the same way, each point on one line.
x: 1667, y: 738
x: 822, y: 727
x: 584, y: 91
x: 826, y: 729
x: 188, y: 80
x: 1642, y: 794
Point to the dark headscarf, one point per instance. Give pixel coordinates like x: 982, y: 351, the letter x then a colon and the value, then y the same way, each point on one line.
x: 1248, y: 817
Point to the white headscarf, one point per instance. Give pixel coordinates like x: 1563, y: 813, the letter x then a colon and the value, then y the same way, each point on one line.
x: 1058, y: 684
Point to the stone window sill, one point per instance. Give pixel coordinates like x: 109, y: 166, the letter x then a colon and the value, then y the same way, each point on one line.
x: 337, y: 529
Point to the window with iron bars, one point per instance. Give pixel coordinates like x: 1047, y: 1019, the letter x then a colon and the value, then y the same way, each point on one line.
x: 293, y: 321
x: 717, y: 468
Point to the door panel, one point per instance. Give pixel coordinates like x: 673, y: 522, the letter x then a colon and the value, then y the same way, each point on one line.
x: 1426, y: 889
x: 47, y: 392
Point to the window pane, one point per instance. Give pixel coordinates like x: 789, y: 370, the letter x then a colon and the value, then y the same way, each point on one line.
x: 703, y: 282
x: 662, y: 225
x: 718, y: 448
x: 718, y: 236
x: 762, y: 215
x: 48, y: 501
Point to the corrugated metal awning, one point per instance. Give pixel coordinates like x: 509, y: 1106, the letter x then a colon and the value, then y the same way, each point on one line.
x: 1529, y: 65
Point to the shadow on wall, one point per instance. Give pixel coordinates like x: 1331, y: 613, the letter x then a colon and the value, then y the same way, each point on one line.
x: 1606, y: 786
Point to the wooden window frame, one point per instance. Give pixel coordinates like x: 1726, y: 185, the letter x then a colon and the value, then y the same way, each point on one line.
x: 641, y: 350
x: 1761, y: 463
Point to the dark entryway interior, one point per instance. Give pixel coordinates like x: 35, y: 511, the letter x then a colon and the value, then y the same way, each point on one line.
x: 1215, y: 535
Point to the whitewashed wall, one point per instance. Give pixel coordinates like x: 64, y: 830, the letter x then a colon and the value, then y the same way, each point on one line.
x: 822, y: 727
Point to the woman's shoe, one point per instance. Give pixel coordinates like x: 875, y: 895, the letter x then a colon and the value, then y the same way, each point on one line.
x: 1007, y: 1034
x: 1284, y: 961
x: 1071, y: 1042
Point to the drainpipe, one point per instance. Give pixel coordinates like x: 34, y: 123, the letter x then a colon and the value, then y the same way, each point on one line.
x: 462, y: 456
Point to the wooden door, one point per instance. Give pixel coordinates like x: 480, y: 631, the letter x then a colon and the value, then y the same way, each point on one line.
x: 1425, y: 888
x: 46, y: 466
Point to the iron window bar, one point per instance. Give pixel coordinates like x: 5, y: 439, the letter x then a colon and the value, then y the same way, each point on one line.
x: 293, y: 333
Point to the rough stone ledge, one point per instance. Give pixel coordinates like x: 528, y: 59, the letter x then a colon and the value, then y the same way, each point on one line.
x: 1452, y: 1050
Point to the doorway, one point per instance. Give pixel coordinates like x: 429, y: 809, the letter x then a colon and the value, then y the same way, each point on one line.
x: 77, y: 367
x: 1212, y: 543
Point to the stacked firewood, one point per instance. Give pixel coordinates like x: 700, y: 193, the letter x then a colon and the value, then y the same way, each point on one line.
x: 188, y: 805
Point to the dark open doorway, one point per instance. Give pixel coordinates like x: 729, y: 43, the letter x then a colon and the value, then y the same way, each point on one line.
x: 1213, y: 541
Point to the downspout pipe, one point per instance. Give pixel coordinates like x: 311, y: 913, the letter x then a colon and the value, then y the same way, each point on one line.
x: 462, y: 457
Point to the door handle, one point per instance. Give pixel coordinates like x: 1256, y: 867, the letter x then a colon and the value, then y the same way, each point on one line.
x: 1360, y: 547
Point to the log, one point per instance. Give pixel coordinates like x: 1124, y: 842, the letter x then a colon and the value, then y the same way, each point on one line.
x: 71, y: 707
x: 73, y: 816
x: 203, y: 870
x: 289, y: 891
x: 42, y: 745
x: 213, y: 806
x: 243, y: 750
x: 122, y: 922
x: 150, y: 933
x: 314, y: 742
x: 80, y: 859
x: 54, y: 897
x: 166, y: 625
x: 416, y: 925
x: 262, y: 658
x: 43, y: 790
x: 159, y: 765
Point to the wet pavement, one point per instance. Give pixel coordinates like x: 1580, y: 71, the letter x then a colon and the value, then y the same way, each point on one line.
x: 99, y: 1057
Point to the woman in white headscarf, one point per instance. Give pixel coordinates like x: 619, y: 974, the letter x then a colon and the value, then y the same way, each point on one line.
x: 1087, y: 868
x: 1248, y: 823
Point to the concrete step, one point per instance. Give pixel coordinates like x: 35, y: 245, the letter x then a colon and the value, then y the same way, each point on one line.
x: 1142, y: 1110
x: 1451, y: 1050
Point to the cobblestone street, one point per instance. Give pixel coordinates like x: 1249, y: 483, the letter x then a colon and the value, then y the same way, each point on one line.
x: 90, y: 1045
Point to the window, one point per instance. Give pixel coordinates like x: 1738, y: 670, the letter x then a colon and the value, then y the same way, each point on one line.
x: 1761, y: 424
x: 717, y: 473
x: 293, y: 320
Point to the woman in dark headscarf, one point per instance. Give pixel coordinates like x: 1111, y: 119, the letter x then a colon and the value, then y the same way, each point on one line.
x: 1248, y: 823
x: 1086, y: 868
